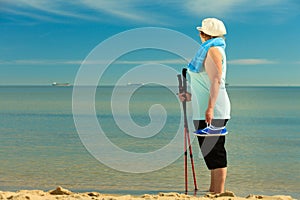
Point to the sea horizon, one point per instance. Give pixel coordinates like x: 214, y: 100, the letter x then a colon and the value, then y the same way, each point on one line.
x: 148, y: 85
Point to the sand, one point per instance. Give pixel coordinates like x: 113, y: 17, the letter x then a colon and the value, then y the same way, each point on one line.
x: 63, y: 194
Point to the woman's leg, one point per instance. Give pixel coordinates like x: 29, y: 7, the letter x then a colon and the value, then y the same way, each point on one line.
x: 219, y: 178
x: 216, y: 159
x: 212, y: 182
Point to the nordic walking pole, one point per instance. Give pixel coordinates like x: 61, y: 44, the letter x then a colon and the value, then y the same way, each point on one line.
x: 186, y: 129
x: 180, y: 90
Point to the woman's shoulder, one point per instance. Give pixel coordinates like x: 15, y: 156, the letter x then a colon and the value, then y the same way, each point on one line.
x: 215, y: 53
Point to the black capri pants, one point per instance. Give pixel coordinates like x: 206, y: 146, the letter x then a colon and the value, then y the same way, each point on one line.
x: 212, y: 148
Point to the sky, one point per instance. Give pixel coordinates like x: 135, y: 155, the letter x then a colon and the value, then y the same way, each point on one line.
x: 45, y: 41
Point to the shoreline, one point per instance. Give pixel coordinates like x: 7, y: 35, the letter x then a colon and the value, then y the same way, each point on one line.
x: 64, y: 194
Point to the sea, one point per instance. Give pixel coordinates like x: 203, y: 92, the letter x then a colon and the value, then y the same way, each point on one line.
x: 41, y: 148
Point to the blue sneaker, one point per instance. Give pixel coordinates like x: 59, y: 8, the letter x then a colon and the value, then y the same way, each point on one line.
x: 211, y: 131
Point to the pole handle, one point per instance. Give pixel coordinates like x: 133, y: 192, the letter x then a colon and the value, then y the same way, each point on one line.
x: 180, y: 88
x: 184, y: 85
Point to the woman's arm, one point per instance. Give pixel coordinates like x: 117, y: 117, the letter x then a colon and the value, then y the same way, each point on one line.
x: 213, y: 66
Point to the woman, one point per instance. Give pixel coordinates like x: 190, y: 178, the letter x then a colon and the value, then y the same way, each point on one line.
x: 211, y: 105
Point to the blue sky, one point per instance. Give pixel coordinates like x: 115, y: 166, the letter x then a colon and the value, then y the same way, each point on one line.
x: 43, y: 41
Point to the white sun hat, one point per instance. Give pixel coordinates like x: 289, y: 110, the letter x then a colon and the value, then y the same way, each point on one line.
x: 212, y: 27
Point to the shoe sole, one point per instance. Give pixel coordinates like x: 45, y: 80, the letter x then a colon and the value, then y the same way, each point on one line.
x: 210, y: 135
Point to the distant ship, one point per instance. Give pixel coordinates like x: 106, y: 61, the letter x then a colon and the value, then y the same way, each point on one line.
x: 60, y: 84
x: 135, y: 84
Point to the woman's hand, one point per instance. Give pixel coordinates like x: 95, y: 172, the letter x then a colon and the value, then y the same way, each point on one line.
x: 185, y: 96
x: 209, y: 114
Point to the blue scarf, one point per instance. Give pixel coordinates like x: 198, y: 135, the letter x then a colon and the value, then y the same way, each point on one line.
x: 197, y: 62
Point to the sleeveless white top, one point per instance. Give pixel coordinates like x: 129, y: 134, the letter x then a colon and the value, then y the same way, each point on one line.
x: 200, y: 86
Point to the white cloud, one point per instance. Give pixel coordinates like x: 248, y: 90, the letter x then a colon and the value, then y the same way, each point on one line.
x: 93, y: 62
x: 166, y: 62
x: 251, y: 61
x: 216, y: 8
x: 47, y: 10
x: 126, y: 9
x: 231, y: 8
x: 248, y: 61
x: 148, y: 12
x: 39, y: 62
x: 100, y: 10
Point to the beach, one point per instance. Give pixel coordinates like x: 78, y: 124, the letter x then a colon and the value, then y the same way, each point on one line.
x: 61, y: 194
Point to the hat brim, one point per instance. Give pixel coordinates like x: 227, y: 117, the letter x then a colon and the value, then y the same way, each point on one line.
x: 199, y: 28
